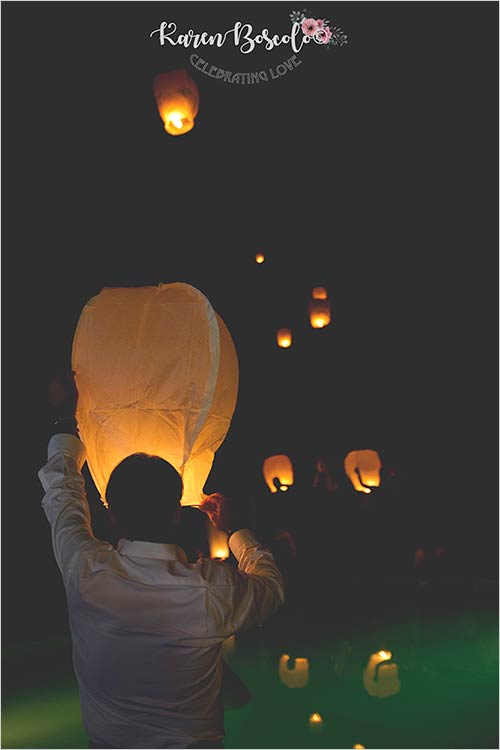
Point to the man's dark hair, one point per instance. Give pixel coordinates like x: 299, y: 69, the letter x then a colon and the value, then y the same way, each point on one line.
x: 143, y: 495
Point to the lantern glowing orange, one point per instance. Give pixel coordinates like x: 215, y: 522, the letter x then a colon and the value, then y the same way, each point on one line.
x: 177, y: 99
x: 363, y: 469
x: 157, y: 373
x: 217, y: 542
x: 316, y: 722
x: 298, y: 677
x: 319, y: 292
x: 278, y: 472
x: 259, y: 258
x: 284, y: 338
x: 380, y: 679
x: 319, y: 313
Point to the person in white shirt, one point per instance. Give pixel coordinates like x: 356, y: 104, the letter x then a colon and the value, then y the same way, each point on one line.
x: 146, y: 625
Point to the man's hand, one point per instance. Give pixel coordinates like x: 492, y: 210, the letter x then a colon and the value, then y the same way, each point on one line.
x: 222, y: 513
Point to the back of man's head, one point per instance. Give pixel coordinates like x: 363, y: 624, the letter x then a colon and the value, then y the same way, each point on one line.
x: 143, y: 495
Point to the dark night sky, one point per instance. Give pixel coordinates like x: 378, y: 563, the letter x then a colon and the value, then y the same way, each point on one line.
x: 370, y: 169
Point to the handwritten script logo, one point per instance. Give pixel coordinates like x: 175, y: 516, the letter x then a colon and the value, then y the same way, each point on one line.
x: 241, y: 35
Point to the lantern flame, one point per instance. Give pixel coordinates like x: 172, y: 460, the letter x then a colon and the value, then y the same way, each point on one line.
x: 385, y: 655
x: 315, y: 718
x: 176, y: 119
x: 284, y: 487
x: 259, y: 258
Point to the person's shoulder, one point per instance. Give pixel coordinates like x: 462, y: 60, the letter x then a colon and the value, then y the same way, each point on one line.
x: 217, y: 572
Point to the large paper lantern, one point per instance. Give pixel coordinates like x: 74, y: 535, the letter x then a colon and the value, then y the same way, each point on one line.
x: 363, y: 469
x: 177, y: 99
x: 298, y: 676
x: 381, y: 678
x: 278, y: 472
x: 156, y: 372
x: 284, y: 338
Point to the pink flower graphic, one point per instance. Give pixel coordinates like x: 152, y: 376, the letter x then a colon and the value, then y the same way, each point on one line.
x: 309, y: 26
x: 322, y: 35
x: 320, y: 22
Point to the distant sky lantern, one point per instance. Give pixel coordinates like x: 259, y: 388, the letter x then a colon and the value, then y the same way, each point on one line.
x: 284, y: 338
x: 259, y: 258
x: 380, y: 677
x: 156, y: 372
x: 298, y: 677
x: 319, y: 313
x: 217, y: 542
x: 363, y: 469
x: 278, y: 472
x: 177, y: 99
x: 319, y: 292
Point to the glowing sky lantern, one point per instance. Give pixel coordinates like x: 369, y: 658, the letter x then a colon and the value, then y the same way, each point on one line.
x: 381, y: 678
x: 319, y: 313
x: 278, y: 472
x: 156, y: 372
x: 177, y: 99
x: 217, y: 542
x: 284, y: 337
x: 363, y: 469
x: 319, y: 292
x: 259, y: 258
x: 298, y: 676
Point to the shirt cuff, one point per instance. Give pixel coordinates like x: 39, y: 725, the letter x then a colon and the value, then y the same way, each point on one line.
x: 69, y: 445
x: 240, y: 540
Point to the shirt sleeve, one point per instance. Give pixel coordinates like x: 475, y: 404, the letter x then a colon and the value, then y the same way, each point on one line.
x: 65, y: 502
x: 259, y: 588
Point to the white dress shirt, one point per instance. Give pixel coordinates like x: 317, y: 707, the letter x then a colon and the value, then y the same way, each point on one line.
x: 147, y: 626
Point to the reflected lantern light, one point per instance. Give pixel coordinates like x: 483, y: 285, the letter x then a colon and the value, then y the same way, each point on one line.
x: 298, y: 677
x: 177, y: 99
x: 316, y: 722
x: 363, y: 469
x: 278, y: 472
x: 381, y: 676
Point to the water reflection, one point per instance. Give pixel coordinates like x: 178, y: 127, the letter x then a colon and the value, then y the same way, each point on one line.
x: 381, y: 676
x: 297, y: 676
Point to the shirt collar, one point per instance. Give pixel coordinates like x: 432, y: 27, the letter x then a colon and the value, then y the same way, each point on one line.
x: 153, y: 550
